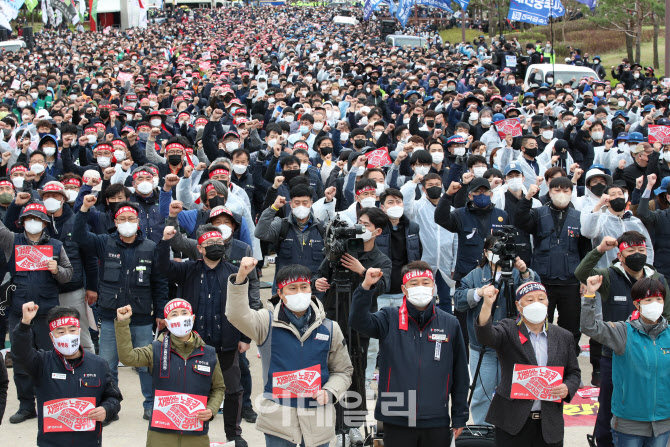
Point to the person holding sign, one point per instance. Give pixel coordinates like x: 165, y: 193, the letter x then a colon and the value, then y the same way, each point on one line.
x: 641, y: 414
x: 187, y: 380
x: 418, y: 372
x: 75, y: 389
x: 38, y: 265
x: 306, y: 364
x: 530, y: 341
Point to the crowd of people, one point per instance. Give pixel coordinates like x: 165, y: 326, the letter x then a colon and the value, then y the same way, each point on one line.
x: 149, y: 177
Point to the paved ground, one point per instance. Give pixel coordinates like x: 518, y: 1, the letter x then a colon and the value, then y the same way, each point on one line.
x: 131, y: 429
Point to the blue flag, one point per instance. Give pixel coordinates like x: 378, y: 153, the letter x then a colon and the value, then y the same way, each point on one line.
x: 404, y: 11
x: 590, y: 3
x: 463, y: 4
x: 536, y: 12
x: 367, y: 9
x: 442, y: 4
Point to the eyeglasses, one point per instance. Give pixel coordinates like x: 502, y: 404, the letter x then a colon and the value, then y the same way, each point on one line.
x: 126, y: 219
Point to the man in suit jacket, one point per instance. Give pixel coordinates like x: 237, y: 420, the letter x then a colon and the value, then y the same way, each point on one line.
x: 530, y: 340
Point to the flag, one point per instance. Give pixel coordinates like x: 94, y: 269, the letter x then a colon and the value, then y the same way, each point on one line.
x: 404, y: 11
x: 45, y: 12
x: 536, y: 12
x: 31, y: 4
x: 590, y: 3
x: 93, y: 14
x: 463, y: 4
x: 441, y: 4
x: 367, y: 9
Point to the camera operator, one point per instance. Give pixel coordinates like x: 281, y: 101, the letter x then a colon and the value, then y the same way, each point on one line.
x: 478, y: 284
x: 374, y: 221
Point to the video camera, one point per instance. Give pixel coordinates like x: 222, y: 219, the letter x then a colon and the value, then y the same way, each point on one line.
x: 341, y: 238
x: 506, y: 247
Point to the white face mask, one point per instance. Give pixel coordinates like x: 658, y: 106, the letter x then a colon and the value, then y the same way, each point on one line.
x: 597, y: 135
x: 479, y: 171
x: 239, y: 169
x: 37, y: 168
x: 368, y: 202
x: 298, y: 302
x: 303, y: 167
x: 119, y: 155
x: 272, y: 143
x: 377, y: 135
x: 666, y: 156
x: 180, y: 326
x: 493, y: 259
x: 561, y: 200
x: 395, y: 212
x: 420, y: 296
x: 514, y: 184
x: 104, y: 162
x: 547, y: 134
x: 66, y: 344
x: 301, y: 212
x: 438, y: 157
x: 289, y: 118
x: 304, y: 129
x: 486, y: 121
x: 155, y: 123
x: 381, y: 187
x: 318, y: 126
x: 91, y: 138
x: 365, y: 236
x: 145, y: 187
x: 652, y: 311
x: 344, y: 136
x: 18, y: 182
x: 226, y: 231
x: 52, y: 205
x: 474, y: 116
x: 127, y: 229
x: 21, y: 104
x: 33, y: 226
x: 459, y: 151
x: 49, y: 151
x: 535, y: 313
x: 71, y: 195
x: 422, y: 170
x: 232, y: 145
x: 621, y: 103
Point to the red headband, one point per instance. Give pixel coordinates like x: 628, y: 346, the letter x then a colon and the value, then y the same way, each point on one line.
x: 65, y: 321
x: 625, y: 245
x: 70, y: 181
x: 209, y: 235
x: 35, y: 206
x: 366, y: 188
x: 18, y: 168
x: 648, y: 294
x: 288, y: 281
x: 417, y: 274
x: 6, y: 183
x: 219, y: 172
x: 125, y: 209
x: 53, y: 187
x: 209, y: 188
x: 174, y: 146
x: 102, y: 146
x: 119, y: 143
x: 140, y: 172
x: 178, y: 304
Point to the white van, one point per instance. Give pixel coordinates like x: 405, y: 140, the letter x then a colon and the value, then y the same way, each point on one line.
x: 562, y: 72
x: 345, y: 20
x: 399, y: 40
x: 12, y: 45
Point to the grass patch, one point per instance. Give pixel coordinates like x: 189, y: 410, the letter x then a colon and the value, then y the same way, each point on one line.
x: 453, y: 35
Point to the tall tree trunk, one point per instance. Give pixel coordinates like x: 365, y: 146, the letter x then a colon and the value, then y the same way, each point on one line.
x: 655, y: 21
x: 629, y: 47
x: 493, y: 21
x: 638, y: 31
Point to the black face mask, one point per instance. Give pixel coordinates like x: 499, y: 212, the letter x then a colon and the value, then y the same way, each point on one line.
x: 636, y: 261
x: 434, y: 192
x: 598, y: 189
x: 531, y: 152
x: 216, y: 201
x: 360, y: 144
x: 106, y: 91
x: 174, y: 160
x: 430, y: 123
x: 326, y: 150
x: 290, y: 174
x: 617, y: 204
x: 536, y: 129
x: 104, y: 115
x: 215, y: 252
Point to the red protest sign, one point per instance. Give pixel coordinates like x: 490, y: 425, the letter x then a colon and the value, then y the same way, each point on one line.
x: 510, y: 126
x: 582, y: 409
x: 177, y: 411
x: 379, y: 157
x: 60, y: 415
x: 659, y: 134
x: 535, y: 382
x: 33, y: 257
x: 301, y: 383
